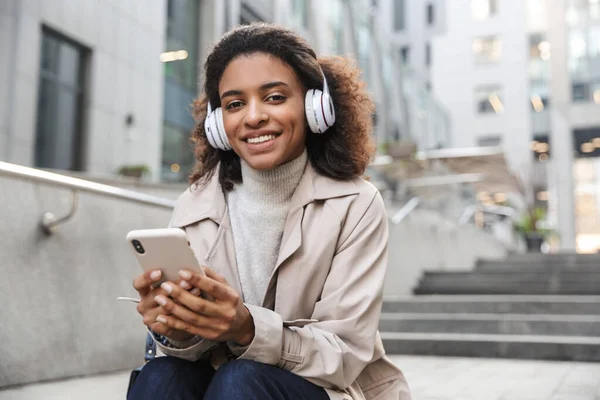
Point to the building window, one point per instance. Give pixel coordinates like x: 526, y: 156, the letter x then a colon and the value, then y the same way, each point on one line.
x: 540, y: 147
x: 488, y: 99
x: 539, y: 102
x: 178, y: 155
x: 587, y: 142
x: 428, y: 54
x: 405, y: 55
x: 489, y: 140
x: 430, y: 14
x: 580, y: 12
x: 248, y: 16
x: 539, y: 58
x: 584, y: 62
x: 300, y: 12
x: 181, y: 80
x: 487, y: 50
x: 399, y: 15
x: 483, y: 9
x: 60, y: 95
x: 332, y: 13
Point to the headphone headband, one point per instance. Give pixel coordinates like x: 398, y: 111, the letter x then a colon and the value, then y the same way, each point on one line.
x: 325, y: 85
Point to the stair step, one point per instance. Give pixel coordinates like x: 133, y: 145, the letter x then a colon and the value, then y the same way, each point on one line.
x: 511, y: 324
x: 580, y: 288
x: 540, y: 258
x: 492, y: 304
x: 516, y: 267
x: 580, y: 348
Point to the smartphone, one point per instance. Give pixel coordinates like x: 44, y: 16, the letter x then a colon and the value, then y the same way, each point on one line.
x: 166, y: 249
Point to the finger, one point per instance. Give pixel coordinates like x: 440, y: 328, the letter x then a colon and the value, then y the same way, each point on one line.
x: 143, y: 283
x: 147, y: 302
x: 187, y: 316
x: 209, y: 285
x: 184, y: 285
x: 215, y: 275
x: 160, y: 328
x: 196, y: 305
x: 176, y: 324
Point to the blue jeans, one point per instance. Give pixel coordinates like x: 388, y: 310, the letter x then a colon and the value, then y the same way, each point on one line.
x: 173, y: 378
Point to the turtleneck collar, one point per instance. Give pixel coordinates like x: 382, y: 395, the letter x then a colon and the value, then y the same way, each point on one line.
x: 275, y: 185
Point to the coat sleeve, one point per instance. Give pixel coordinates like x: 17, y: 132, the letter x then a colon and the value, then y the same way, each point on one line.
x: 333, y: 351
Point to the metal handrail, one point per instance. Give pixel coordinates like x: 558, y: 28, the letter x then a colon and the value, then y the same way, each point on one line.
x: 49, y: 221
x: 487, y: 208
x: 409, y: 207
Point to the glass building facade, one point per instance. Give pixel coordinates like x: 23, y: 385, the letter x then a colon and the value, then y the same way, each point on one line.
x: 180, y: 60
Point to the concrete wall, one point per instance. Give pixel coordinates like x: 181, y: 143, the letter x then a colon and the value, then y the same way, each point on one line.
x: 60, y: 316
x: 124, y: 76
x: 426, y: 241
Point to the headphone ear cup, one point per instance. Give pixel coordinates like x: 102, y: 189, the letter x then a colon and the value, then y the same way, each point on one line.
x: 215, y: 130
x: 210, y: 135
x: 221, y: 129
x: 309, y: 111
x: 328, y: 110
x: 318, y: 106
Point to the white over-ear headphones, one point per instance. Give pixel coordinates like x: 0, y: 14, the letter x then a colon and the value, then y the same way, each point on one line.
x: 215, y: 130
x: 318, y: 107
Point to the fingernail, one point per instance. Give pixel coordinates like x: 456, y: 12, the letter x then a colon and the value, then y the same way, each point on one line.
x: 167, y: 287
x: 195, y: 291
x: 185, y: 274
x: 161, y: 319
x: 185, y: 285
x: 160, y: 300
x: 155, y: 275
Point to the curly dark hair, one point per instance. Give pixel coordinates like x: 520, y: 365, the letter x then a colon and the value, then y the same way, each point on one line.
x: 343, y: 152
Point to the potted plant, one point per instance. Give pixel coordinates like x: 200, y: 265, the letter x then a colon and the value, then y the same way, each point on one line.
x: 530, y: 226
x: 135, y: 171
x: 398, y: 148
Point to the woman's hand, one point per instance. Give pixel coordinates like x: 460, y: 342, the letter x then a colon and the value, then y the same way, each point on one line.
x: 148, y: 308
x: 226, y: 318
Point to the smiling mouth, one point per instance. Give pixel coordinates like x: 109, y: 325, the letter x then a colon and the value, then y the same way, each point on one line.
x: 261, y: 139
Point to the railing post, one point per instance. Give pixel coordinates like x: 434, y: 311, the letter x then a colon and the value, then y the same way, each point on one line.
x: 49, y: 221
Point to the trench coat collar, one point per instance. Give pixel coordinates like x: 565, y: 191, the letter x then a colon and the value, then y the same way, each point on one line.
x: 207, y: 201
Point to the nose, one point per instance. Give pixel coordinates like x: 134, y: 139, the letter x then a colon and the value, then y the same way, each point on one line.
x: 255, y: 114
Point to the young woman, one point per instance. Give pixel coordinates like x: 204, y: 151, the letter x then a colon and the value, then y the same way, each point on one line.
x: 294, y: 240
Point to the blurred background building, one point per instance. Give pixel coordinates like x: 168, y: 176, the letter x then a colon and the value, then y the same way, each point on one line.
x: 487, y: 123
x: 525, y: 75
x: 105, y: 87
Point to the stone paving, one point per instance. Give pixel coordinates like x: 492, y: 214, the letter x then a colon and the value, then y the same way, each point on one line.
x: 431, y: 378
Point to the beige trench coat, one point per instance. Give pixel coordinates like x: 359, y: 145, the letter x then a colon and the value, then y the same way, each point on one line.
x: 321, y: 310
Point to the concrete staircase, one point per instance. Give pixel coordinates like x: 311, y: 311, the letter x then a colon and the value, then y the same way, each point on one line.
x: 527, y: 306
x: 507, y: 326
x: 519, y: 274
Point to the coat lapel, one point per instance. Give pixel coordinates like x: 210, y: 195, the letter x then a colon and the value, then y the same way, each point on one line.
x: 208, y: 202
x: 221, y: 256
x: 311, y: 187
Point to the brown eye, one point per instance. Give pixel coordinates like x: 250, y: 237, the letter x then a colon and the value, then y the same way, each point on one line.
x: 234, y: 104
x: 276, y: 97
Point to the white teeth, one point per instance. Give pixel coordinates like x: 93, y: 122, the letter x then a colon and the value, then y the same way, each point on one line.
x: 260, y: 139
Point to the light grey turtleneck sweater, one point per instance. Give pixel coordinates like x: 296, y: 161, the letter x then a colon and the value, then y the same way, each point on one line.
x: 258, y: 208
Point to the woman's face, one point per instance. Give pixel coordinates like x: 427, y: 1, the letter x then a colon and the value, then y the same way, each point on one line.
x: 263, y: 110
